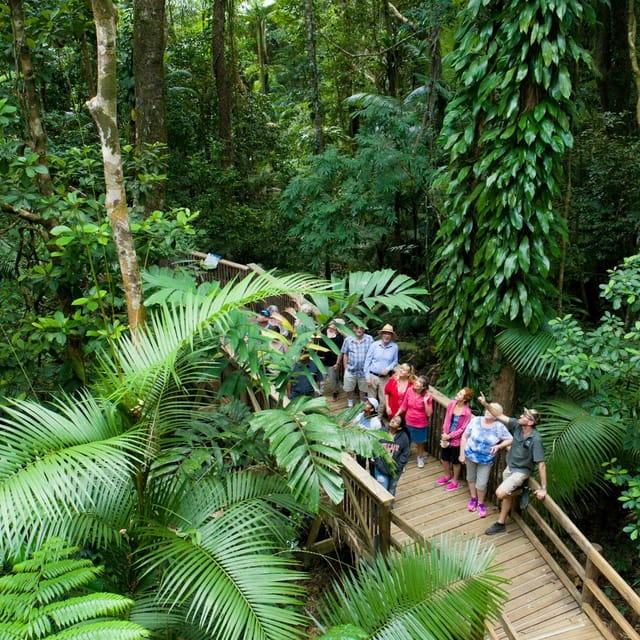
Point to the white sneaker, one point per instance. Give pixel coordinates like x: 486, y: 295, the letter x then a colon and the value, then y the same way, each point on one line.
x: 350, y: 403
x: 420, y: 462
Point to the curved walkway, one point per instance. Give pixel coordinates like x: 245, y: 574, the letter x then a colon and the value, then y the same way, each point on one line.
x: 540, y: 606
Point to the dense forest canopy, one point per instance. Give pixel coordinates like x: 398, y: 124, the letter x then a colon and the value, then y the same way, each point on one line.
x: 487, y: 151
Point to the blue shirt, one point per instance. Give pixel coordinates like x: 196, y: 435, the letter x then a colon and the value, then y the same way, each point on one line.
x: 480, y: 440
x: 380, y: 358
x: 356, y: 351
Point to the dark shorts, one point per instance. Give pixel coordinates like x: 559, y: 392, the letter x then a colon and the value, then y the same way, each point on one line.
x: 450, y: 454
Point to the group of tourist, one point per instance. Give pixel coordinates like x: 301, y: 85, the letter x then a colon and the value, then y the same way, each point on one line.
x: 401, y: 399
x: 394, y: 399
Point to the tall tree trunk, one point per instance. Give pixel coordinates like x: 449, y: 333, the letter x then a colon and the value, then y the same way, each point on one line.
x: 28, y: 95
x: 632, y: 32
x: 103, y: 108
x: 261, y: 40
x: 37, y: 140
x: 221, y: 73
x: 391, y: 54
x: 612, y: 56
x: 149, y: 42
x: 310, y: 36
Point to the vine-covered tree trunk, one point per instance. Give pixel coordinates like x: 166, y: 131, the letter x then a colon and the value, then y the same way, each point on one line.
x: 103, y: 108
x: 29, y: 96
x: 221, y: 73
x: 506, y: 132
x: 148, y: 69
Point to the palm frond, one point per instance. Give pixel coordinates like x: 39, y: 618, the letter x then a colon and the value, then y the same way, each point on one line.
x: 524, y: 351
x: 576, y: 444
x: 250, y: 500
x: 56, y: 465
x: 229, y: 587
x: 445, y: 590
x: 306, y: 442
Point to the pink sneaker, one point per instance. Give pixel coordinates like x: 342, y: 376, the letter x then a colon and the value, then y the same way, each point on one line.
x: 473, y: 503
x: 443, y: 480
x: 482, y: 510
x: 452, y: 486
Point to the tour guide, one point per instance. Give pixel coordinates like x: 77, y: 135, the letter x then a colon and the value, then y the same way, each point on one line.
x: 526, y: 450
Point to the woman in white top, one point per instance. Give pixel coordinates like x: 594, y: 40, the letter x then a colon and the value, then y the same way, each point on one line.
x: 478, y: 451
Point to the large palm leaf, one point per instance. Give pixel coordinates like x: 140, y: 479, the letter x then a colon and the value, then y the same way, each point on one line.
x: 306, y: 442
x: 214, y: 554
x: 441, y: 591
x: 61, y: 471
x: 576, y: 443
x: 525, y: 351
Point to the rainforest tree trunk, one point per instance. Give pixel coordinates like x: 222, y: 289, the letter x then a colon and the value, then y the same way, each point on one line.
x: 223, y: 86
x: 103, y: 109
x: 149, y: 42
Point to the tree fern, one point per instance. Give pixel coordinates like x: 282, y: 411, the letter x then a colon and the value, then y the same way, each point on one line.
x: 41, y: 598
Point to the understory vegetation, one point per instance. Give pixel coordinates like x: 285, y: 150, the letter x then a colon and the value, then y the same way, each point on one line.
x: 467, y: 171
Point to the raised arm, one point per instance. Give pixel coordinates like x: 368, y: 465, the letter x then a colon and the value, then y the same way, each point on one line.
x: 498, y: 416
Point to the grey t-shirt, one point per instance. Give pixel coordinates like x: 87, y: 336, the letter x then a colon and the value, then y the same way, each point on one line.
x: 526, y: 451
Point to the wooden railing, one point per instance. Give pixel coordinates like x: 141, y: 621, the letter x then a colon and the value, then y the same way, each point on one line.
x: 226, y: 271
x: 368, y: 506
x: 596, y: 576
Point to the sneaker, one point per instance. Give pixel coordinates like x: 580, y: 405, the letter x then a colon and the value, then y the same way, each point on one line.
x: 524, y: 498
x: 496, y: 527
x: 473, y: 503
x: 420, y: 462
x: 482, y: 510
x: 452, y: 486
x: 443, y: 480
x: 349, y: 403
x: 335, y: 395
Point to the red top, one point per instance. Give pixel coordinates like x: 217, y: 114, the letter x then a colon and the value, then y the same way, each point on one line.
x: 395, y: 396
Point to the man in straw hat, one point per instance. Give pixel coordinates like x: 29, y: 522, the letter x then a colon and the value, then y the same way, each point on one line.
x: 525, y: 452
x: 381, y: 360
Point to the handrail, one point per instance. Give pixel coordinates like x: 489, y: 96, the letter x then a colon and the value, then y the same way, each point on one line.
x: 367, y: 505
x: 594, y: 570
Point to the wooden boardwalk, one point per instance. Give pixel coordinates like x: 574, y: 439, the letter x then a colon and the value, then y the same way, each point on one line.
x: 542, y: 603
x: 540, y: 606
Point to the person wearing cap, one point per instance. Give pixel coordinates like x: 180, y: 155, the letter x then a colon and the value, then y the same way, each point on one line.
x: 525, y: 452
x: 381, y: 360
x: 262, y: 319
x: 368, y: 419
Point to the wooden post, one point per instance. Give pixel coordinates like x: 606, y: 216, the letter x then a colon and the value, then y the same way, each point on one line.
x: 591, y: 572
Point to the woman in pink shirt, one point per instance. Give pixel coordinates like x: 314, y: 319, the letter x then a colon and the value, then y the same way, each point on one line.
x: 455, y: 422
x: 417, y: 408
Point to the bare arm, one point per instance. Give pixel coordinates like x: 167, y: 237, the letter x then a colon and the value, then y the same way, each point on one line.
x: 542, y: 470
x: 502, y: 417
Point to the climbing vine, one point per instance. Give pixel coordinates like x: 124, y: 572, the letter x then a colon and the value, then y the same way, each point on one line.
x: 506, y: 132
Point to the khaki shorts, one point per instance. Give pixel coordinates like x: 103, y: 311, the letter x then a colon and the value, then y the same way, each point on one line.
x: 351, y: 381
x: 512, y: 480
